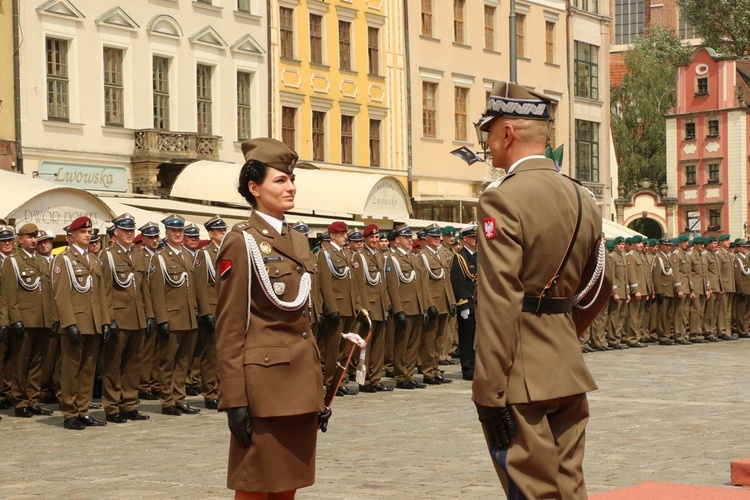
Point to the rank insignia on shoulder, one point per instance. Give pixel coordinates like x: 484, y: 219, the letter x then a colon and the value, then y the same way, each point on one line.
x: 489, y: 228
x: 57, y: 270
x: 225, y: 268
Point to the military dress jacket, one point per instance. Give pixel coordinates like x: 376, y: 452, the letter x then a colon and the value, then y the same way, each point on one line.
x: 370, y: 277
x: 697, y: 273
x: 464, y: 278
x: 620, y: 274
x: 726, y: 272
x: 711, y: 265
x: 204, y: 271
x: 3, y: 303
x: 27, y: 288
x: 267, y: 356
x: 80, y: 295
x: 438, y: 279
x: 337, y: 286
x: 664, y: 275
x: 526, y: 223
x: 681, y: 268
x: 125, y: 278
x: 406, y: 281
x: 637, y: 272
x: 742, y: 274
x: 172, y: 287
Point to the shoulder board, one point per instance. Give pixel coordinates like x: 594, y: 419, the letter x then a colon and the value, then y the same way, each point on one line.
x: 497, y: 183
x: 241, y: 226
x: 572, y: 179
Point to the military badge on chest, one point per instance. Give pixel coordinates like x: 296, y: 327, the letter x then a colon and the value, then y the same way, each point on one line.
x: 279, y: 287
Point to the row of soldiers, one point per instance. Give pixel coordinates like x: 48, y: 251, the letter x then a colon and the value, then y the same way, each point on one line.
x: 145, y: 313
x: 413, y: 300
x: 674, y: 291
x: 140, y: 312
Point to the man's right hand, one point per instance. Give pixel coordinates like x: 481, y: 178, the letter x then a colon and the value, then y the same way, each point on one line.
x: 163, y: 329
x: 150, y: 327
x: 499, y: 425
x: 400, y: 318
x: 17, y: 328
x: 74, y: 334
x: 239, y: 424
x: 334, y: 318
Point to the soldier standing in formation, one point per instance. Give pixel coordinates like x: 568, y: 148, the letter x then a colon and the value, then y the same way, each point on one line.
x: 463, y: 280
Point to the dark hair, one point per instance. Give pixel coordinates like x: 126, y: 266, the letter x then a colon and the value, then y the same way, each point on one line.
x: 254, y: 171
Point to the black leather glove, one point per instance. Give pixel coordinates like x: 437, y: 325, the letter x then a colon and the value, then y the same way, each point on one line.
x: 74, y: 334
x: 334, y: 318
x: 323, y: 417
x: 433, y: 312
x: 150, y: 327
x: 321, y: 319
x: 498, y: 423
x: 17, y: 328
x: 400, y: 319
x: 3, y: 333
x: 106, y: 332
x: 453, y: 310
x: 239, y: 425
x: 659, y: 298
x: 54, y: 328
x: 208, y: 323
x: 387, y: 319
x: 425, y: 317
x: 114, y: 328
x: 163, y: 330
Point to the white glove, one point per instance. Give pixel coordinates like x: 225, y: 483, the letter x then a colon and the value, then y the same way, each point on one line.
x: 465, y: 313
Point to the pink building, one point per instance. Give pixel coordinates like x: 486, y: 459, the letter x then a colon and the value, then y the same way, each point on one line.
x: 707, y: 146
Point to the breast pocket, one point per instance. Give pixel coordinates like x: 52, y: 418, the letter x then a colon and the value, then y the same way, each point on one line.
x: 267, y: 356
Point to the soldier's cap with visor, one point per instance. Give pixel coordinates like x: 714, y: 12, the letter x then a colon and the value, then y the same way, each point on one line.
x: 95, y: 238
x: 745, y: 243
x: 325, y: 237
x: 470, y: 230
x: 273, y: 153
x: 421, y: 235
x: 215, y: 222
x: 110, y: 230
x: 173, y: 221
x: 43, y: 235
x: 124, y: 221
x: 391, y: 236
x: 510, y: 100
x: 150, y: 229
x: 301, y: 227
x: 433, y: 230
x: 449, y: 230
x: 355, y: 235
x: 7, y: 233
x: 192, y: 230
x: 28, y: 229
x: 402, y: 230
x: 666, y: 241
x: 370, y: 230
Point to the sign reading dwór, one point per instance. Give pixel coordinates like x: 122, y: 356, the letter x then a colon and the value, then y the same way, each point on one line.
x: 90, y: 177
x: 387, y: 196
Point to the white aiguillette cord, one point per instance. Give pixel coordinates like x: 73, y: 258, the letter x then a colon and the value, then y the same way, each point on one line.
x: 35, y: 285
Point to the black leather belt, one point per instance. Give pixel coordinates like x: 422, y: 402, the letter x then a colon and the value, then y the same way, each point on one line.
x: 547, y: 305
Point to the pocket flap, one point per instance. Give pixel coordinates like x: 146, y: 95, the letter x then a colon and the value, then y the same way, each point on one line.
x: 267, y: 355
x: 172, y: 308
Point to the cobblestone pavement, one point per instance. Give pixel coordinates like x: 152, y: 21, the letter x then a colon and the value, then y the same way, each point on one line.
x: 677, y: 414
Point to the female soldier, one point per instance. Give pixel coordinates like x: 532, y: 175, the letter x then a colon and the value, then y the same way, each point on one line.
x: 264, y: 343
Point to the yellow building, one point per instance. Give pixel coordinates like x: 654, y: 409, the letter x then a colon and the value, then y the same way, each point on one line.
x: 339, y: 94
x: 7, y: 96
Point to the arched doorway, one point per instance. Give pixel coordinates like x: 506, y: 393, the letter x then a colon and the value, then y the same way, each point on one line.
x: 646, y: 226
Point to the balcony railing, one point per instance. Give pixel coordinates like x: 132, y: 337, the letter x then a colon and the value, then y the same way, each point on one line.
x: 166, y: 145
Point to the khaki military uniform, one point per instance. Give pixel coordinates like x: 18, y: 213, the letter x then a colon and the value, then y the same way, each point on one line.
x: 713, y: 282
x: 149, y: 380
x: 530, y: 362
x: 173, y: 299
x: 390, y: 328
x: 268, y: 359
x: 664, y: 285
x: 28, y: 293
x: 6, y: 367
x: 204, y: 270
x: 369, y: 275
x: 742, y: 292
x: 638, y: 286
x: 681, y: 267
x: 618, y: 307
x: 697, y: 279
x: 81, y: 300
x: 724, y: 307
x: 125, y: 277
x: 450, y: 343
x: 441, y: 292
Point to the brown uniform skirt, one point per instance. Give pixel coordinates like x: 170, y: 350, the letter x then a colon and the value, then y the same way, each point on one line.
x: 281, y: 455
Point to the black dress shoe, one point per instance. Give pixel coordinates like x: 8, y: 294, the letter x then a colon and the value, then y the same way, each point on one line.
x: 95, y: 406
x: 189, y: 410
x: 601, y: 348
x: 116, y: 418
x: 637, y: 345
x: 470, y: 376
x: 618, y: 347
x: 90, y: 421
x: 406, y: 384
x: 4, y: 404
x: 134, y: 415
x: 684, y: 342
x: 432, y: 381
x: 743, y: 335
x: 367, y: 388
x: 418, y: 385
x: 23, y: 412
x: 38, y: 410
x: 666, y: 342
x: 171, y: 410
x: 73, y: 424
x: 712, y: 338
x: 49, y: 400
x: 382, y: 388
x: 725, y: 337
x: 212, y: 404
x: 192, y: 390
x: 444, y: 380
x: 340, y: 392
x: 390, y: 374
x: 148, y: 396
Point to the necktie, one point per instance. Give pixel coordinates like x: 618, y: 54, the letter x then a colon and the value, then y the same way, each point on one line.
x: 285, y: 233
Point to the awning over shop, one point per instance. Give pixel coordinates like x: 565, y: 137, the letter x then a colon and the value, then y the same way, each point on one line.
x: 48, y: 205
x: 613, y: 230
x: 325, y: 193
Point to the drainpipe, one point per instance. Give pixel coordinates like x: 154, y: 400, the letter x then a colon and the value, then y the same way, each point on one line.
x: 17, y: 86
x: 271, y: 69
x: 408, y: 96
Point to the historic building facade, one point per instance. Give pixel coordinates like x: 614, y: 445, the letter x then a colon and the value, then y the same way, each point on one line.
x: 7, y: 95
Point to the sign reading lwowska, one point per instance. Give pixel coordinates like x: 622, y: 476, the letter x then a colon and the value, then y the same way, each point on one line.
x: 90, y: 177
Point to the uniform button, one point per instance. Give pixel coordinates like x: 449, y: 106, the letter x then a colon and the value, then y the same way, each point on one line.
x: 500, y: 393
x: 304, y: 314
x: 276, y: 272
x: 299, y: 269
x: 266, y: 359
x: 305, y: 335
